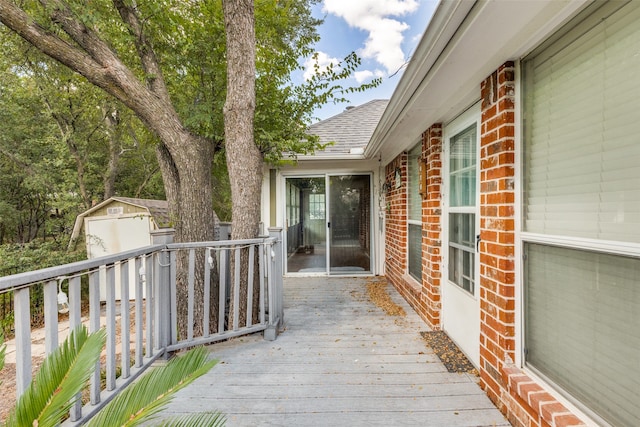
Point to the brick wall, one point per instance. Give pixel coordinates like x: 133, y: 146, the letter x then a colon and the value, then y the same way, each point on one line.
x: 524, y: 402
x: 497, y: 227
x: 423, y: 296
x: 396, y: 230
x: 431, y: 228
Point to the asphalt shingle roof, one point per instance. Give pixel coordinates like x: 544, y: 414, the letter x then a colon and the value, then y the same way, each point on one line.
x: 159, y: 209
x: 349, y: 130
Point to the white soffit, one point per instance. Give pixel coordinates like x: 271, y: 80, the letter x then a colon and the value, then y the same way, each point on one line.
x: 464, y: 43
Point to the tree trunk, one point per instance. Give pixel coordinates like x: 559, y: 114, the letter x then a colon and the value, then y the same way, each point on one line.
x: 244, y: 159
x: 188, y: 187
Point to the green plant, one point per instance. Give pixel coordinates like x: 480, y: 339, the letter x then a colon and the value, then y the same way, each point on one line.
x: 65, y: 372
x: 55, y: 387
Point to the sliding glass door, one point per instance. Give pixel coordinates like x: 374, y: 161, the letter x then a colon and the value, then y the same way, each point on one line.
x: 328, y: 224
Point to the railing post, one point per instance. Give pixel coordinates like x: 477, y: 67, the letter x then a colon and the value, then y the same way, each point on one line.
x: 22, y: 314
x: 276, y: 319
x: 164, y: 316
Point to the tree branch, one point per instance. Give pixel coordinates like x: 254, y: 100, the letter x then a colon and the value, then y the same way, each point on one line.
x: 148, y: 59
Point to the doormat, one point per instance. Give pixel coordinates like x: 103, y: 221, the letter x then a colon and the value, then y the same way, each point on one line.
x: 448, y: 352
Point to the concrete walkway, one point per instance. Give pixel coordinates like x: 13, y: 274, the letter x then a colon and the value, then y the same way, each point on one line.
x: 340, y: 362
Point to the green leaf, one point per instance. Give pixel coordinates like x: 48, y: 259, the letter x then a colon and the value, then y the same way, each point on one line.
x: 143, y: 399
x: 59, y: 380
x: 205, y: 419
x: 3, y: 349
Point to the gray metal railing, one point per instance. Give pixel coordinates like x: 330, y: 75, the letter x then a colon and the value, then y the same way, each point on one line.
x: 135, y: 295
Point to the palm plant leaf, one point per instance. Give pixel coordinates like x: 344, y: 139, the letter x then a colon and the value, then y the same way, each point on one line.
x: 59, y: 380
x: 204, y: 419
x: 145, y: 398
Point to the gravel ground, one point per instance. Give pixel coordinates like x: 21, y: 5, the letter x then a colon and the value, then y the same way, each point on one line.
x: 448, y: 352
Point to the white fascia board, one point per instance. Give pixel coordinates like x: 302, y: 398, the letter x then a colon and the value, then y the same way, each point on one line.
x: 331, y: 157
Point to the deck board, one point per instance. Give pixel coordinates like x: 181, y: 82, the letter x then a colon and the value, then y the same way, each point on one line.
x: 341, y: 361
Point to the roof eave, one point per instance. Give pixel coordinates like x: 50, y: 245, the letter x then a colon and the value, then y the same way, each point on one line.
x: 338, y: 156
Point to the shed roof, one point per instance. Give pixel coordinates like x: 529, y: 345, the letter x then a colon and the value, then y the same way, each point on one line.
x: 350, y: 131
x: 159, y: 209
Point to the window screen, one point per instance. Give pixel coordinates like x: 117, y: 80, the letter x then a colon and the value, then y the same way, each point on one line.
x: 583, y: 327
x: 582, y: 127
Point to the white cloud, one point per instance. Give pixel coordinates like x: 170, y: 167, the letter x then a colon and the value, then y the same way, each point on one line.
x: 362, y: 76
x: 323, y: 61
x: 376, y: 17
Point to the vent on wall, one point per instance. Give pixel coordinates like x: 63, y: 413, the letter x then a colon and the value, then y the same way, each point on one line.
x: 115, y: 211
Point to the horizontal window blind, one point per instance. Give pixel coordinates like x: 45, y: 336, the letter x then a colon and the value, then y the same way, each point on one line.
x: 414, y: 201
x: 582, y: 131
x: 414, y: 198
x: 582, y: 327
x: 415, y: 251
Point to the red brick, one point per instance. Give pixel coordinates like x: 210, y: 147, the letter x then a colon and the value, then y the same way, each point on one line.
x: 568, y: 420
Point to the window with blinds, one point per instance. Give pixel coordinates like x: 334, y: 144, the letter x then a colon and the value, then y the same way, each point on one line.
x: 582, y: 184
x: 582, y: 327
x: 582, y: 129
x: 414, y: 208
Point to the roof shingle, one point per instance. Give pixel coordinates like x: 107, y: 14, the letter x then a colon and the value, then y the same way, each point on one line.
x: 349, y: 130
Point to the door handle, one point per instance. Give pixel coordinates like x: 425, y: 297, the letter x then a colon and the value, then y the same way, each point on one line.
x: 478, y: 242
x: 329, y: 224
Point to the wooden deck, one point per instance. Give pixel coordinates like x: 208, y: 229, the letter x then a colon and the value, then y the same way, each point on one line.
x: 341, y: 362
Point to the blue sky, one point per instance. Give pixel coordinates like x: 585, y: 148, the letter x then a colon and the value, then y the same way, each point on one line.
x: 384, y: 33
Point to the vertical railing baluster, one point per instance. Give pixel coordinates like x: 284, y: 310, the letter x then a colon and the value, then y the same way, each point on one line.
x: 148, y: 268
x: 125, y: 325
x: 222, y: 302
x: 207, y: 291
x: 75, y: 317
x: 139, y: 331
x: 50, y: 316
x: 250, y: 267
x: 94, y: 325
x: 191, y: 293
x: 75, y: 302
x: 174, y: 304
x: 263, y: 249
x: 236, y: 288
x: 111, y: 328
x: 22, y: 313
